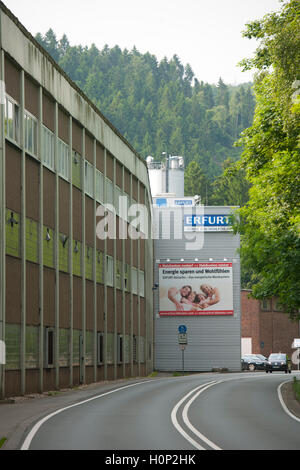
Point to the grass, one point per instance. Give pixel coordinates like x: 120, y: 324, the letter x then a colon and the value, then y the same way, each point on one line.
x: 53, y: 393
x: 2, y: 440
x: 296, y: 387
x: 153, y: 374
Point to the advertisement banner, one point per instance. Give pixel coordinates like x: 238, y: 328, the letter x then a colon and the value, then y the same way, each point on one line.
x: 195, y: 289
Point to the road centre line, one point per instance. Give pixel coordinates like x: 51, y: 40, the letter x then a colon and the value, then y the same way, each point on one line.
x: 27, y: 441
x: 189, y: 424
x: 200, y: 390
x: 177, y: 406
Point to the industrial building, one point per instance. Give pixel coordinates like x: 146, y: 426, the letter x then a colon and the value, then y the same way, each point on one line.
x: 196, y: 277
x: 74, y: 308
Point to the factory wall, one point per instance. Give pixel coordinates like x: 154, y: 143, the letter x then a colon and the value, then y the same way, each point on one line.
x: 74, y: 308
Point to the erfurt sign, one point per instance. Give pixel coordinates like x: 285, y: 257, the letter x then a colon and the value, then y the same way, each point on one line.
x: 207, y: 223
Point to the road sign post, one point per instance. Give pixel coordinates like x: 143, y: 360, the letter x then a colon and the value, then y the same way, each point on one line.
x: 182, y: 346
x: 182, y: 341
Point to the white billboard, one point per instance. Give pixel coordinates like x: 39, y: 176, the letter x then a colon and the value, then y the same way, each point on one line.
x: 195, y: 289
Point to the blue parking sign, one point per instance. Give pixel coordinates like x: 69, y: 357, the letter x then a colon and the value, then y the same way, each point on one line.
x: 182, y: 329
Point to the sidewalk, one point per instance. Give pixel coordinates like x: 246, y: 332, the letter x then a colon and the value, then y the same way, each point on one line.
x: 19, y: 413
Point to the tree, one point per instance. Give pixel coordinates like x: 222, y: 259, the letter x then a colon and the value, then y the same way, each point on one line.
x: 232, y: 187
x: 157, y: 105
x: 196, y: 182
x: 270, y: 221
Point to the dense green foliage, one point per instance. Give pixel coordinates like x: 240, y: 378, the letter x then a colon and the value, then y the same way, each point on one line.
x: 270, y: 221
x: 159, y: 106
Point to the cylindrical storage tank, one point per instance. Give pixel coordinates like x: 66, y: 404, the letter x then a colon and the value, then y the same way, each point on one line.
x: 155, y: 178
x: 176, y: 181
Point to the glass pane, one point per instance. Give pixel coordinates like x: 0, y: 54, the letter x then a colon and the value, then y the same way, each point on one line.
x: 30, y: 135
x: 10, y: 120
x: 34, y: 137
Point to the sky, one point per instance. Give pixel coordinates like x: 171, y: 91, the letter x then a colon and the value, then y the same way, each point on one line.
x: 207, y: 34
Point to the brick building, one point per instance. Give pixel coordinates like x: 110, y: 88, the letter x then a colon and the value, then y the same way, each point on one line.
x: 265, y: 327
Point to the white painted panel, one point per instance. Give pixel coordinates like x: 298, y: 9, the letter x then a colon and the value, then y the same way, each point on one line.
x: 246, y: 346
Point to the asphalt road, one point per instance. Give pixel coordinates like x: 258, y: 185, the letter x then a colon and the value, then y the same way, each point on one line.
x: 201, y: 411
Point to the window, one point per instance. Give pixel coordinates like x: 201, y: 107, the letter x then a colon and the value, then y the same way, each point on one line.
x: 134, y: 277
x: 109, y: 270
x: 76, y: 169
x: 120, y: 349
x: 63, y: 159
x: 265, y: 305
x: 48, y: 148
x: 30, y: 133
x: 49, y: 347
x: 142, y: 283
x: 119, y: 266
x: 100, y: 348
x: 89, y: 179
x: 109, y: 192
x: 11, y: 122
x: 99, y: 186
x: 126, y: 277
x: 123, y: 207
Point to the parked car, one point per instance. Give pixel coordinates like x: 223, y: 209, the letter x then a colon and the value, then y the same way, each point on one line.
x: 252, y: 362
x: 263, y: 358
x: 279, y: 361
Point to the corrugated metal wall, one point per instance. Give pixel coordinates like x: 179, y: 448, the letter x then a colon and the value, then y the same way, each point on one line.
x: 213, y: 341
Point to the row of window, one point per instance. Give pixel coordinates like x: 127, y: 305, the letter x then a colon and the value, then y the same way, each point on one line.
x: 12, y: 131
x: 129, y: 278
x: 265, y: 305
x: 125, y: 344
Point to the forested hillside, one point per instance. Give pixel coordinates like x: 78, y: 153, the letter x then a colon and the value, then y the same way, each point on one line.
x: 159, y: 106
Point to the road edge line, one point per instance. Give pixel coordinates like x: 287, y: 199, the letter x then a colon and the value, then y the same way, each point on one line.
x: 285, y: 408
x: 29, y: 437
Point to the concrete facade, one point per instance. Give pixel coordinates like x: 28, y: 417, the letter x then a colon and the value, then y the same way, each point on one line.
x: 214, y: 341
x: 74, y: 308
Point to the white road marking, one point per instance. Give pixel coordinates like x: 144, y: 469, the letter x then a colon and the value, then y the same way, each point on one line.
x: 197, y: 392
x: 174, y: 415
x: 283, y: 404
x: 189, y: 424
x: 36, y: 427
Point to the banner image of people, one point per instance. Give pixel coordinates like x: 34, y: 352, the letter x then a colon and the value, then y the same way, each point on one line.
x: 195, y: 289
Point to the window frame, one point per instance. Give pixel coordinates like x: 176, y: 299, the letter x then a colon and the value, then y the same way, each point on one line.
x: 28, y: 117
x: 48, y: 162
x: 15, y: 120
